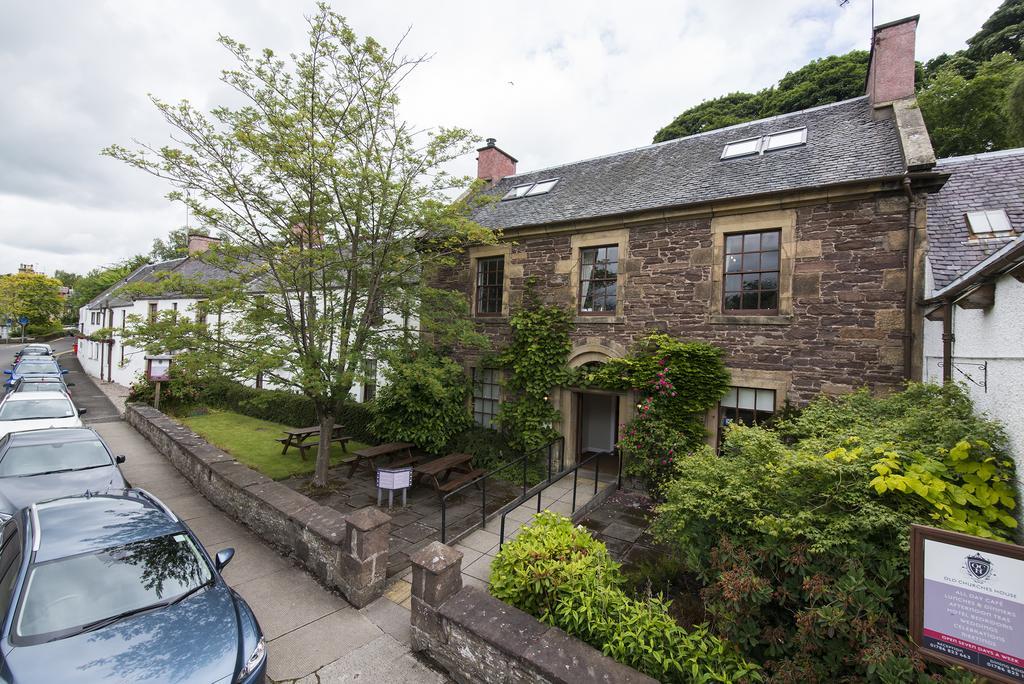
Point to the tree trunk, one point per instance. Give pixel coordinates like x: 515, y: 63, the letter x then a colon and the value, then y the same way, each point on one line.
x: 323, y: 452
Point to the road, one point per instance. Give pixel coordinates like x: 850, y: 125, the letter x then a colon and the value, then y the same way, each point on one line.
x: 313, y: 635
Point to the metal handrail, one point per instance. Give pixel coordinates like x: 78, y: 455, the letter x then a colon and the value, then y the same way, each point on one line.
x: 524, y: 460
x: 538, y: 489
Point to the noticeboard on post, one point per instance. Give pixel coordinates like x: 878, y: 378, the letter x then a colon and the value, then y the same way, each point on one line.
x: 967, y: 602
x: 158, y: 368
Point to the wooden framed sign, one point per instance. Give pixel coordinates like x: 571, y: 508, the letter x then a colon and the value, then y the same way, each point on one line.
x: 158, y: 368
x: 967, y: 602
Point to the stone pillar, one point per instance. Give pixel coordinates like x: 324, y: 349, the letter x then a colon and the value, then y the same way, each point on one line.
x: 364, y: 557
x: 436, y: 577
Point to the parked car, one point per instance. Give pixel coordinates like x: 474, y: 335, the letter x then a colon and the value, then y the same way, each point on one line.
x: 32, y: 350
x: 34, y: 410
x: 113, y: 587
x: 37, y: 465
x: 41, y: 383
x: 34, y: 366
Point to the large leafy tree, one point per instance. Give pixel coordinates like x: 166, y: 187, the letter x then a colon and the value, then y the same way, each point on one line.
x: 968, y: 116
x: 99, y: 279
x: 334, y: 208
x: 821, y: 81
x: 33, y: 295
x: 176, y: 244
x: 1003, y: 31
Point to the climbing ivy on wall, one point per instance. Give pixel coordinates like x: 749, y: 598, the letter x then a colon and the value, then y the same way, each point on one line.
x: 536, y: 363
x: 678, y: 382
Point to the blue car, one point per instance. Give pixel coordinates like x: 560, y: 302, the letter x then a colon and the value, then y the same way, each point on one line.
x: 34, y: 366
x: 114, y: 588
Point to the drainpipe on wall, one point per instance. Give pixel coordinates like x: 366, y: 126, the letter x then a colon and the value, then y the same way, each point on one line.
x: 908, y: 300
x: 947, y: 341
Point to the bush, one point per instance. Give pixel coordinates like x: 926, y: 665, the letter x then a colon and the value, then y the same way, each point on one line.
x: 564, y: 577
x: 804, y: 555
x: 491, y: 449
x: 424, y: 401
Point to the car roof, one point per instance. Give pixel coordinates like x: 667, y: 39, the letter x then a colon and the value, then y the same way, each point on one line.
x: 53, y: 436
x: 35, y: 396
x: 79, y: 524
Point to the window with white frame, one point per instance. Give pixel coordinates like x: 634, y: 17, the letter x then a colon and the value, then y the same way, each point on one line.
x: 745, y: 405
x: 988, y: 223
x: 486, y: 396
x: 765, y: 143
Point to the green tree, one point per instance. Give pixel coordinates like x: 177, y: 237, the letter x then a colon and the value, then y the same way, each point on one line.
x: 1003, y: 31
x: 99, y: 279
x: 67, y: 278
x: 1015, y: 108
x: 821, y: 81
x: 970, y: 116
x: 334, y: 207
x: 33, y: 295
x: 176, y: 245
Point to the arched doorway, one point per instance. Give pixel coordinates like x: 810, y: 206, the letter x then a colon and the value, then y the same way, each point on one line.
x: 591, y: 417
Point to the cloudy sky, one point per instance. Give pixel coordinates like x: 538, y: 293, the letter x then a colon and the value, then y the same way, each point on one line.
x: 552, y: 81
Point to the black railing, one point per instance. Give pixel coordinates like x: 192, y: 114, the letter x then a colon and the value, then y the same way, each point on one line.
x: 538, y: 490
x: 481, y: 481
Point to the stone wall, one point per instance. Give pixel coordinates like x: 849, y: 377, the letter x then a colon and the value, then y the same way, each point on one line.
x: 846, y: 286
x: 349, y: 553
x: 477, y: 638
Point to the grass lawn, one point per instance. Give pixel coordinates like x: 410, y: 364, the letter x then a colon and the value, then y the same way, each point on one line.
x: 251, y: 441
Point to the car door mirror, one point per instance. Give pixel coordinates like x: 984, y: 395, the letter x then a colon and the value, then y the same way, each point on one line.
x: 8, y: 372
x: 69, y: 384
x: 64, y: 371
x: 120, y: 459
x: 224, y: 557
x: 82, y: 412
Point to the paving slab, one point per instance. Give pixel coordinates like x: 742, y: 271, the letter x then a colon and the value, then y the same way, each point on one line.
x: 390, y: 617
x: 289, y: 599
x: 305, y: 650
x: 382, y: 660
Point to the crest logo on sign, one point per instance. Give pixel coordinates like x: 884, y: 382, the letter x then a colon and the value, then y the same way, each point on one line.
x: 978, y: 567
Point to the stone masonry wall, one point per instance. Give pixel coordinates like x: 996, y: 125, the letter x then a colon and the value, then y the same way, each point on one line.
x: 846, y: 328
x: 349, y: 553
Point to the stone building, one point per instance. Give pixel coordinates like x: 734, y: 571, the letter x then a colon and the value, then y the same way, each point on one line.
x: 795, y: 243
x: 974, y: 334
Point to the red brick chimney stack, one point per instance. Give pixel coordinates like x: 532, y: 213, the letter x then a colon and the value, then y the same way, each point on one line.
x: 891, y: 69
x: 197, y: 244
x: 493, y: 163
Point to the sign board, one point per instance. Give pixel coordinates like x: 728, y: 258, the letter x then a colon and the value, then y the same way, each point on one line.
x: 967, y: 602
x: 23, y: 320
x: 394, y: 478
x: 158, y: 368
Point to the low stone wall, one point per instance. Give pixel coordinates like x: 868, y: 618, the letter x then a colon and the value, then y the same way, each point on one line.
x: 349, y: 553
x: 478, y: 638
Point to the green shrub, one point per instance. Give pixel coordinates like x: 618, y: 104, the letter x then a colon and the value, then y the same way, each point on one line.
x: 491, y: 449
x: 560, y: 574
x: 424, y: 401
x: 804, y: 556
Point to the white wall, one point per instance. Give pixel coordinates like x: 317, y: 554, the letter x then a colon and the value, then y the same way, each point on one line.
x: 994, y: 336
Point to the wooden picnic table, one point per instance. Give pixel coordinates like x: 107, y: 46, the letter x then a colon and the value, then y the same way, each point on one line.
x: 440, y: 469
x: 298, y: 438
x: 390, y: 450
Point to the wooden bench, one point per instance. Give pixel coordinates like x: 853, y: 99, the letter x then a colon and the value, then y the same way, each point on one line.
x: 341, y: 439
x: 390, y: 450
x: 454, y: 483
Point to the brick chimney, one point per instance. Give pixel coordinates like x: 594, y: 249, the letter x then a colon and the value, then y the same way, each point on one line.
x: 197, y: 244
x: 493, y: 163
x: 891, y: 69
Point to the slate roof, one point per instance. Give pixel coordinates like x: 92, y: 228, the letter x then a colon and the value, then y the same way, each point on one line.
x: 843, y: 144
x: 994, y: 180
x: 187, y: 267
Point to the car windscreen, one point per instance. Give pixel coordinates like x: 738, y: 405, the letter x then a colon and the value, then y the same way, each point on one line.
x: 36, y: 409
x: 31, y: 366
x: 75, y: 594
x: 37, y: 459
x: 55, y: 386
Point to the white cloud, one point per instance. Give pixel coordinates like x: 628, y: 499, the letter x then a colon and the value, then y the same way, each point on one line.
x: 587, y: 78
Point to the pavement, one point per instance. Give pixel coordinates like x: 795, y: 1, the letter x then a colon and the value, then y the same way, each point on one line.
x: 313, y: 634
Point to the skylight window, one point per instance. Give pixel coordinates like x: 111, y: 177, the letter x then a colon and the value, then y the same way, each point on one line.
x: 777, y: 141
x: 766, y: 143
x: 741, y: 148
x: 531, y: 189
x: 989, y: 222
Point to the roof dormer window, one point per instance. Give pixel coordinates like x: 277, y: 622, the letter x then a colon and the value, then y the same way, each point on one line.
x: 765, y: 143
x: 989, y: 223
x: 531, y: 189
